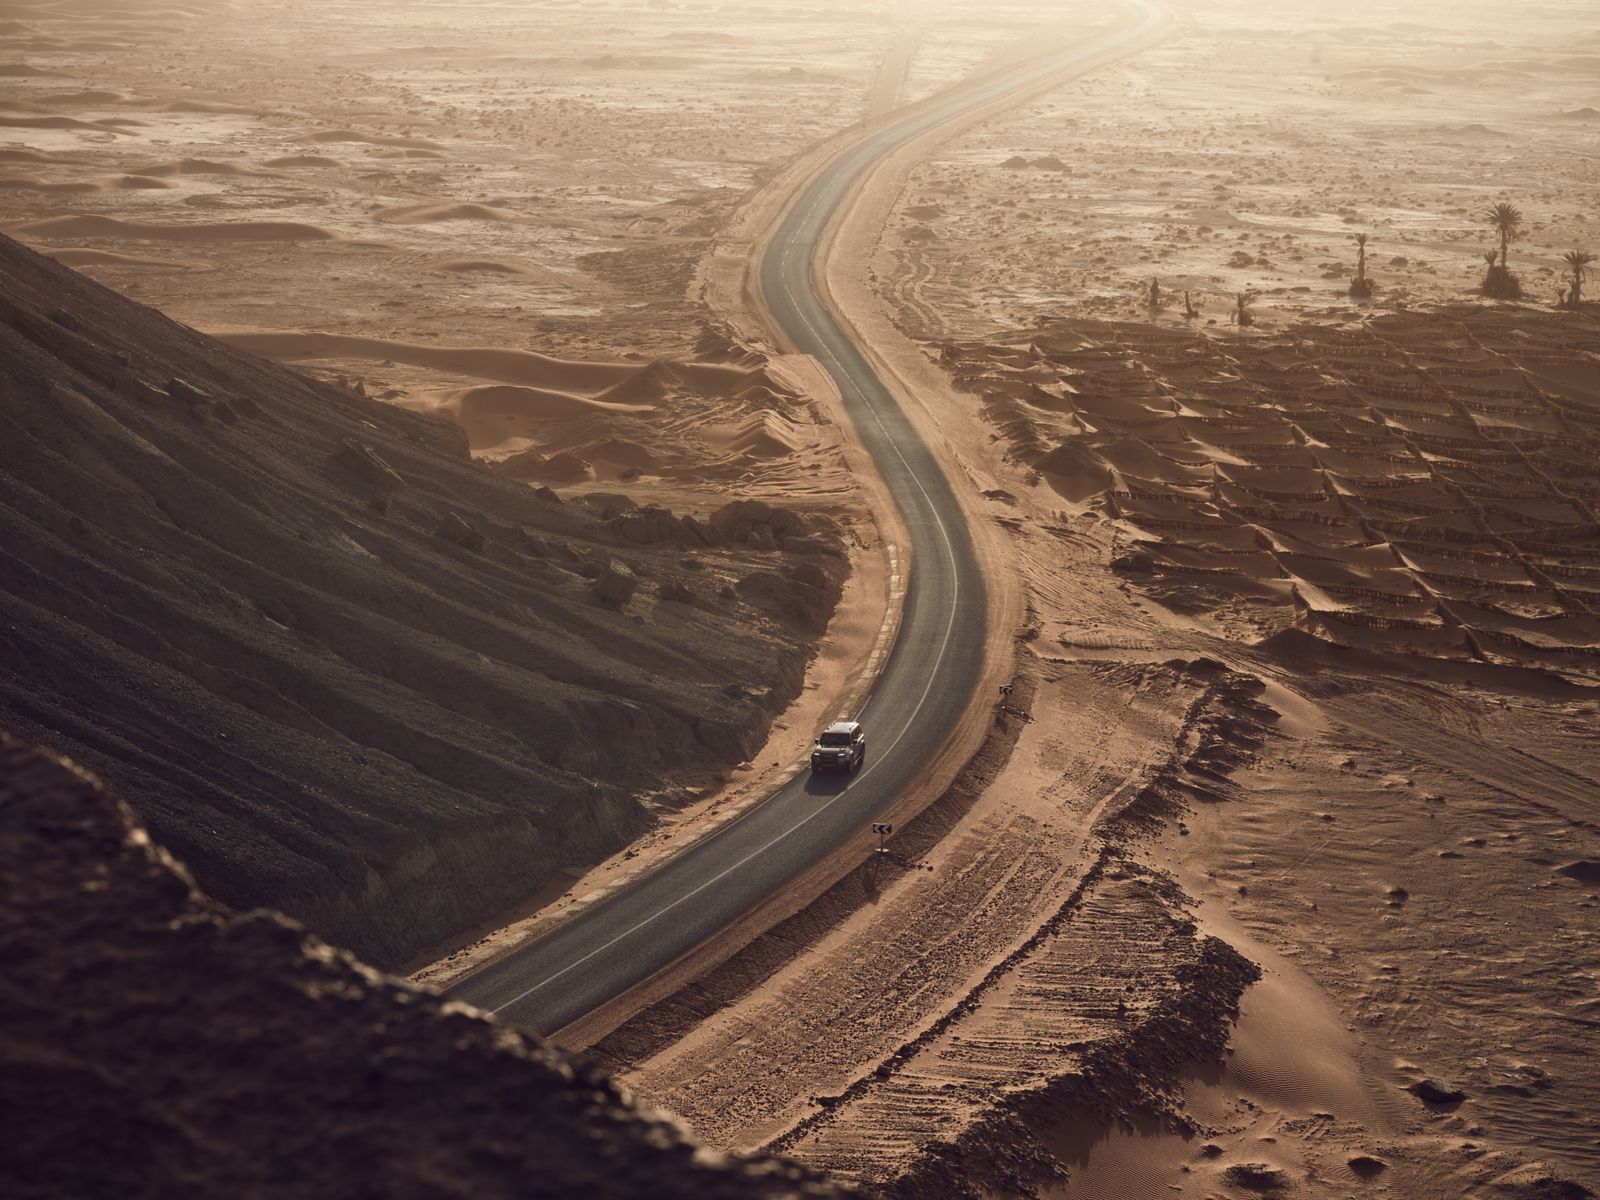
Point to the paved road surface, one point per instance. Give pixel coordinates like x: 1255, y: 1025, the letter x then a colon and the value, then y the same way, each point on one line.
x: 936, y: 661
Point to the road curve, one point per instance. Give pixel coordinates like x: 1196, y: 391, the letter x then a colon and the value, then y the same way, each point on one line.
x: 926, y: 681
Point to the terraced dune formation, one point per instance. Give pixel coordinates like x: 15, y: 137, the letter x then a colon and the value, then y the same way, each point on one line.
x: 290, y: 1069
x: 1420, y: 482
x: 334, y: 663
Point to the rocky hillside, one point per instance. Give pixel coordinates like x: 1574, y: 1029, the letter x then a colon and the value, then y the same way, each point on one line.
x: 338, y: 667
x: 153, y: 1045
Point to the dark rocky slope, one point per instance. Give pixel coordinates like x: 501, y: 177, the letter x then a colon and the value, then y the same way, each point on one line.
x: 154, y: 1045
x: 338, y: 667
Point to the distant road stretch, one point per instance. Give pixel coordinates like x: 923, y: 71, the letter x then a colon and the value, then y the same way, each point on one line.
x: 937, y: 659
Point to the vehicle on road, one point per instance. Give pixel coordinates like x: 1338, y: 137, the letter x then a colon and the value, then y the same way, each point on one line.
x: 841, y: 747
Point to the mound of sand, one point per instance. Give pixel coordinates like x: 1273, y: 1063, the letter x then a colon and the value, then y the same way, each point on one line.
x: 87, y: 97
x: 427, y: 214
x: 38, y: 156
x: 111, y: 227
x: 191, y: 166
x: 763, y: 435
x: 494, y: 414
x: 303, y: 160
x: 649, y: 385
x: 483, y: 266
x: 218, y: 107
x: 479, y: 362
x: 372, y: 139
x: 82, y: 256
x: 84, y: 187
x: 60, y: 123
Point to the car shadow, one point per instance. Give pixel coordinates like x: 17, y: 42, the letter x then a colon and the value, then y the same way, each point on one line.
x: 828, y: 783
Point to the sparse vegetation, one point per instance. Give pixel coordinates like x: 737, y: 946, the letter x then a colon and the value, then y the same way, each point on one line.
x: 1242, y: 316
x: 1578, y: 262
x: 1360, y: 287
x: 1498, y: 282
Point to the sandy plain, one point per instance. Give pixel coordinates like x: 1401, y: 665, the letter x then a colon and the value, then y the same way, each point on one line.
x: 1196, y: 771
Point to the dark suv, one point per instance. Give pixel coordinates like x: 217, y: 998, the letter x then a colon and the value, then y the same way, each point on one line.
x: 842, y: 747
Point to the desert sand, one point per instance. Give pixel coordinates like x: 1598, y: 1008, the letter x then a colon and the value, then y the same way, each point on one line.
x: 1276, y: 872
x: 1221, y: 688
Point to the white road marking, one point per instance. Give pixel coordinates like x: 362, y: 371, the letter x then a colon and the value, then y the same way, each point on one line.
x: 841, y: 376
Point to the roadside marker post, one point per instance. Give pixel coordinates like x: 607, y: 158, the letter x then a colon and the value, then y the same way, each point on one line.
x: 882, y: 830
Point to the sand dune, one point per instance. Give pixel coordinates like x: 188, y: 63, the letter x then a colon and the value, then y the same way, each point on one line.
x: 648, y: 385
x: 117, y: 183
x: 218, y: 107
x: 39, y: 156
x: 495, y: 414
x: 83, y: 256
x: 192, y: 166
x: 484, y: 266
x: 427, y: 214
x: 303, y: 160
x: 85, y: 97
x: 763, y: 435
x: 237, y: 231
x: 60, y: 123
x: 658, y: 380
x: 481, y: 362
x: 22, y: 71
x: 372, y: 139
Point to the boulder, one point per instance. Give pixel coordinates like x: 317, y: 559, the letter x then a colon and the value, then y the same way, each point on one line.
x: 566, y: 468
x: 361, y: 459
x: 453, y: 529
x: 137, y: 389
x: 811, y: 544
x: 531, y: 466
x: 608, y: 504
x: 807, y: 606
x: 1257, y: 1177
x: 738, y: 519
x: 185, y: 392
x: 616, y: 584
x: 676, y: 593
x: 809, y: 574
x: 1436, y: 1091
x: 651, y: 525
x: 700, y: 531
x: 1367, y: 1166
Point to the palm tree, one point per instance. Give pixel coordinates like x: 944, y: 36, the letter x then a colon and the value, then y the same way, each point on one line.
x: 1578, y: 262
x: 1360, y: 286
x: 1507, y: 222
x: 1498, y: 281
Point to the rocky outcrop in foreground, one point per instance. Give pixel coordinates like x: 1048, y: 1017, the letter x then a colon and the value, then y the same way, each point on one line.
x: 154, y: 1044
x: 335, y: 665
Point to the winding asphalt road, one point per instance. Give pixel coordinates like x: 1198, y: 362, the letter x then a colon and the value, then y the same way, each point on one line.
x: 936, y: 661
